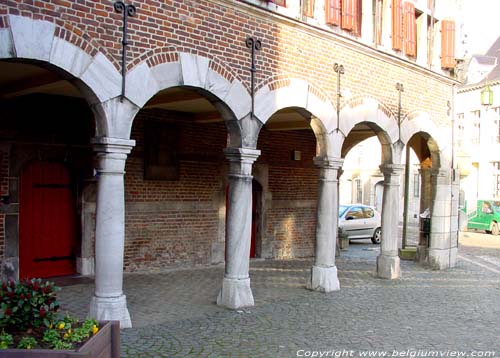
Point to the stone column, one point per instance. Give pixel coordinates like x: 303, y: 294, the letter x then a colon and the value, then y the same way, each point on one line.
x: 324, y: 272
x: 109, y: 302
x: 388, y: 265
x: 236, y: 291
x: 443, y: 245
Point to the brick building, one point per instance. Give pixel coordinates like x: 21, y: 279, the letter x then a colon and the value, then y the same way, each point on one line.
x: 180, y: 166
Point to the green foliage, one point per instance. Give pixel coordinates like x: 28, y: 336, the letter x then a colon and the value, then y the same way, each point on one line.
x: 27, y: 343
x: 27, y: 303
x: 6, y: 340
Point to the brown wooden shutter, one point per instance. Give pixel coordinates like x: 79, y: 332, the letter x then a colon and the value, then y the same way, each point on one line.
x: 308, y: 8
x: 378, y: 22
x: 349, y: 15
x: 332, y: 9
x: 410, y: 30
x: 447, y: 44
x: 397, y: 26
x: 279, y: 2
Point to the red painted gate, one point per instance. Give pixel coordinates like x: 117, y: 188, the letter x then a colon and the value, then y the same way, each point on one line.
x: 46, y: 221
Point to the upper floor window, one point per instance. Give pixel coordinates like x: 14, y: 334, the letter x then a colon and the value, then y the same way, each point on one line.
x: 308, y: 8
x: 279, y: 2
x: 404, y: 27
x: 344, y: 13
x: 447, y: 44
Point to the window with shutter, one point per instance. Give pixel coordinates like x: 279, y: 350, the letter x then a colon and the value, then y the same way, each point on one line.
x: 358, y: 17
x: 279, y: 2
x: 397, y: 25
x: 349, y: 15
x: 377, y: 22
x: 410, y: 30
x: 332, y: 9
x: 308, y: 8
x: 447, y: 44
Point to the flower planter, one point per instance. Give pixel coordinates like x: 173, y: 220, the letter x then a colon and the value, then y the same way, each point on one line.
x: 104, y: 344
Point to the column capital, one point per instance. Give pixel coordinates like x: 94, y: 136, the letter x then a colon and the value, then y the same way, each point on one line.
x: 241, y: 161
x: 325, y: 162
x: 112, y: 154
x: 392, y: 169
x: 242, y: 155
x: 112, y: 145
x: 439, y: 172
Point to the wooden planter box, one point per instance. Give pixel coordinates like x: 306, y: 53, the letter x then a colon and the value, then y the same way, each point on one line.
x: 104, y: 344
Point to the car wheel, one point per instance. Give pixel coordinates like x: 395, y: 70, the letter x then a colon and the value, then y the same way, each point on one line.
x: 377, y: 236
x: 494, y: 229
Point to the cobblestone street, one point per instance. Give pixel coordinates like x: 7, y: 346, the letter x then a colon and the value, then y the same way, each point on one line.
x: 174, y: 314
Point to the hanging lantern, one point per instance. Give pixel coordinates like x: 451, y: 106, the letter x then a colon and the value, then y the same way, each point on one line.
x: 486, y: 96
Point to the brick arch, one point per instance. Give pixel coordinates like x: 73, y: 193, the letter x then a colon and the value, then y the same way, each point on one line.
x: 28, y: 39
x: 419, y: 122
x: 173, y: 69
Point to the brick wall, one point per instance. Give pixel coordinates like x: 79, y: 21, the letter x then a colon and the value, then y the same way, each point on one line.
x: 217, y: 29
x: 175, y: 223
x: 4, y: 190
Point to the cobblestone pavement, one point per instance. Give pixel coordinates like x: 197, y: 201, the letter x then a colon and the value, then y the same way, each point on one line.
x: 174, y: 314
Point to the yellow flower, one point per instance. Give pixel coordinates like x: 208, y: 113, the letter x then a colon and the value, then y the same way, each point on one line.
x: 66, y: 335
x: 95, y: 329
x: 61, y: 325
x: 69, y: 331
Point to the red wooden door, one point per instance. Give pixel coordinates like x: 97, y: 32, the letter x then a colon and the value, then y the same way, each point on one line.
x: 46, y: 221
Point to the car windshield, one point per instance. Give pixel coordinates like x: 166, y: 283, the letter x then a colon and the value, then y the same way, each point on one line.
x: 342, y: 209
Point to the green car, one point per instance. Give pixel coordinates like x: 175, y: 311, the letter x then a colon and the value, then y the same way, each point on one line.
x: 486, y: 217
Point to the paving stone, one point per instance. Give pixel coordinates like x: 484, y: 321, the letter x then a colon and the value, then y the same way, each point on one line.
x: 174, y: 313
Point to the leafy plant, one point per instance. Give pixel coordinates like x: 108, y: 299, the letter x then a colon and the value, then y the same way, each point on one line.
x: 27, y: 303
x: 27, y: 343
x: 6, y: 340
x: 29, y: 318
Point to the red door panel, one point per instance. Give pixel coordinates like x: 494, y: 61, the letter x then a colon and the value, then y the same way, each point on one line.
x: 46, y: 221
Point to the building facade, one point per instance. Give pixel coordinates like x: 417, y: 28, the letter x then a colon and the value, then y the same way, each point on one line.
x: 173, y: 158
x: 478, y: 126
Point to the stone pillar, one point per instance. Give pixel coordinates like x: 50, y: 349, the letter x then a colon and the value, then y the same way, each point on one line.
x: 236, y: 291
x: 324, y: 272
x: 443, y: 245
x: 388, y: 265
x: 109, y: 302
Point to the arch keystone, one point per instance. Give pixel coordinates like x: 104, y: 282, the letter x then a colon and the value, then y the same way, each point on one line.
x: 194, y: 69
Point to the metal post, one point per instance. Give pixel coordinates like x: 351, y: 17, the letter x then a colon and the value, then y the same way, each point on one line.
x: 339, y: 70
x: 253, y: 44
x: 127, y: 10
x: 406, y: 198
x: 400, y: 88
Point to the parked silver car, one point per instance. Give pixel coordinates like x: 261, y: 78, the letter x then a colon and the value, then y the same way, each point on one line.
x: 358, y: 221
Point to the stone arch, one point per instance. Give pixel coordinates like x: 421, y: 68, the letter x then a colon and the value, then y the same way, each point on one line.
x: 293, y: 92
x: 191, y: 70
x: 173, y: 69
x: 45, y: 43
x: 378, y: 117
x: 421, y: 122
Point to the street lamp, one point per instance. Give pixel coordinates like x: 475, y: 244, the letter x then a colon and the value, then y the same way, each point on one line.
x: 486, y: 96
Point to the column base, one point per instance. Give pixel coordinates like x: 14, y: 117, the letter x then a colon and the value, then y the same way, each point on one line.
x: 422, y: 254
x: 111, y: 309
x: 323, y: 279
x: 388, y: 267
x: 440, y: 259
x: 235, y: 293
